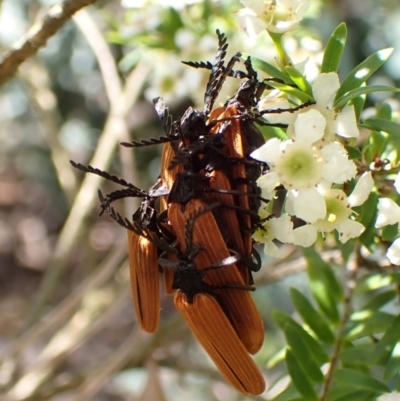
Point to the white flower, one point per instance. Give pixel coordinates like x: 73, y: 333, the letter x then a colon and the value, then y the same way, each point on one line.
x: 279, y: 16
x: 393, y: 252
x: 300, y: 163
x: 362, y: 190
x: 337, y: 211
x: 340, y: 122
x: 388, y: 213
x: 279, y: 228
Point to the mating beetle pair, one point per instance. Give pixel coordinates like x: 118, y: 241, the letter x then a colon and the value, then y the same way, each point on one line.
x: 196, y: 222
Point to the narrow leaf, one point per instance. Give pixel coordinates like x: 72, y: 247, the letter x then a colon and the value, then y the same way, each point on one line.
x: 267, y: 68
x: 303, y: 355
x: 379, y: 124
x: 300, y: 378
x: 324, y: 286
x: 380, y: 300
x: 361, y: 355
x: 353, y: 152
x: 387, y: 343
x: 290, y: 90
x: 364, y: 90
x: 369, y: 324
x: 392, y: 367
x: 334, y: 49
x: 313, y: 347
x: 368, y: 211
x: 311, y: 317
x: 359, y: 380
x: 389, y: 233
x: 348, y: 394
x: 363, y: 71
x: 358, y: 103
x: 299, y: 80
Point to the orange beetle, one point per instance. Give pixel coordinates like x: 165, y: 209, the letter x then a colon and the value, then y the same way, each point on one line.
x: 197, y: 300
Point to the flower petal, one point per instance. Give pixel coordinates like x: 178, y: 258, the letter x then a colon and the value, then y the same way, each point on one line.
x: 388, y: 213
x: 268, y: 182
x: 249, y: 22
x: 337, y: 167
x: 255, y: 5
x: 269, y: 152
x: 349, y: 229
x: 325, y: 87
x: 272, y: 250
x: 281, y: 228
x: 309, y: 126
x: 309, y: 205
x: 305, y: 236
x: 393, y: 252
x: 362, y: 190
x: 346, y: 124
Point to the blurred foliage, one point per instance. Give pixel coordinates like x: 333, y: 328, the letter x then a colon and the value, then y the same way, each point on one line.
x: 56, y: 108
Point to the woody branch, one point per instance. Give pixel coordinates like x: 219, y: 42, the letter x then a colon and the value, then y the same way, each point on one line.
x: 38, y: 35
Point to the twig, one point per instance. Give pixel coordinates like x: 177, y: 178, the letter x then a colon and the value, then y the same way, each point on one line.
x: 87, y: 194
x: 277, y: 270
x: 113, y: 87
x: 44, y: 104
x: 87, y: 322
x: 38, y: 35
x: 351, y: 281
x: 57, y: 316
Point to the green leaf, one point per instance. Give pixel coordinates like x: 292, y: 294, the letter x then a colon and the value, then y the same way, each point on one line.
x: 348, y: 394
x: 353, y: 152
x: 290, y: 90
x: 360, y: 355
x: 313, y: 347
x: 299, y: 80
x: 303, y: 355
x: 392, y: 367
x: 334, y: 49
x: 379, y: 300
x: 358, y: 103
x: 367, y: 323
x: 300, y: 378
x: 377, y: 143
x: 379, y: 124
x: 267, y: 68
x: 359, y: 381
x: 311, y: 317
x: 389, y: 233
x: 364, y: 90
x: 373, y: 281
x: 346, y: 249
x: 325, y: 288
x: 363, y: 71
x: 384, y: 112
x: 387, y: 343
x: 367, y: 212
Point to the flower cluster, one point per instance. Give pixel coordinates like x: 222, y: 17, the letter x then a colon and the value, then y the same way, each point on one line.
x: 278, y: 16
x: 311, y: 166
